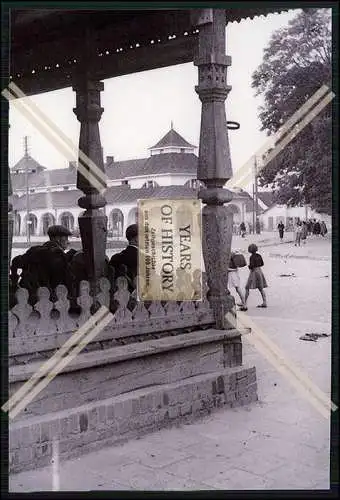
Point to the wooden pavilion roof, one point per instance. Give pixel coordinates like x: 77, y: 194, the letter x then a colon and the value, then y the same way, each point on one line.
x: 49, y: 46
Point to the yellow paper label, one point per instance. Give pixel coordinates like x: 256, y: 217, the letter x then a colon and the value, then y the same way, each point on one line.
x: 170, y: 250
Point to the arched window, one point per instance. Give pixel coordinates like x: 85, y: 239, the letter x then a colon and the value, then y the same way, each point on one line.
x: 67, y: 220
x: 194, y: 184
x: 17, y: 224
x: 47, y: 221
x: 32, y: 224
x: 133, y: 216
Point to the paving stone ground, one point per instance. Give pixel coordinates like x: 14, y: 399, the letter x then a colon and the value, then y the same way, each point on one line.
x: 280, y: 442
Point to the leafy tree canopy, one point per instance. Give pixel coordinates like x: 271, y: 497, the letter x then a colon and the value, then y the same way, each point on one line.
x: 296, y: 63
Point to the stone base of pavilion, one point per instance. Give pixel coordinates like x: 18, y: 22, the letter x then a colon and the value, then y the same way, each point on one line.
x: 181, y: 369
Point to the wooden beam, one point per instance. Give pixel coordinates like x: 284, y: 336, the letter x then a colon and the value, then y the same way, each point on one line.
x: 178, y: 51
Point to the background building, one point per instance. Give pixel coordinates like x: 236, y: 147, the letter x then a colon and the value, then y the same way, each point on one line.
x: 169, y: 171
x: 276, y: 213
x: 50, y: 196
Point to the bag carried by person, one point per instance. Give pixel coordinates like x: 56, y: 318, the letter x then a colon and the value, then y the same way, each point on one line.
x: 239, y: 260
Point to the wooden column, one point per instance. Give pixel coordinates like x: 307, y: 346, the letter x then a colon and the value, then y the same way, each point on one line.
x: 214, y: 164
x: 92, y: 222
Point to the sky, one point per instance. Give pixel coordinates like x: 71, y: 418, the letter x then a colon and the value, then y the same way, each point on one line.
x: 139, y: 108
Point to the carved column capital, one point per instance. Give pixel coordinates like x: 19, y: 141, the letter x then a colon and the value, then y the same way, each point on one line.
x: 212, y: 77
x: 88, y: 99
x: 88, y: 112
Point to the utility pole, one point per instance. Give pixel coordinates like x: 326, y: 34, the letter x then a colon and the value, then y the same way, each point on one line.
x: 28, y: 221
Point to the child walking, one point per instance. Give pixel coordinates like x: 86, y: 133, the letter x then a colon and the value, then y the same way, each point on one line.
x: 256, y: 279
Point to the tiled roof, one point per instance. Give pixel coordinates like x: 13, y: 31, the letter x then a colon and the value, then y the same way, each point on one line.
x: 55, y: 177
x: 55, y: 199
x: 127, y: 168
x: 28, y: 163
x: 170, y: 163
x: 267, y: 197
x: 248, y: 201
x: 167, y: 163
x: 114, y: 195
x: 117, y: 194
x: 172, y: 139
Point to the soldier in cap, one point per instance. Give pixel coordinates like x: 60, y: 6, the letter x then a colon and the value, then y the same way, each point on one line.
x: 47, y: 265
x: 59, y: 236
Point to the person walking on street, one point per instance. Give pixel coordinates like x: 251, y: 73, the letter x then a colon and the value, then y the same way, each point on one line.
x: 281, y: 229
x: 298, y: 233
x: 310, y: 227
x: 304, y: 232
x: 256, y: 279
x: 243, y: 229
x: 234, y: 281
x: 317, y: 228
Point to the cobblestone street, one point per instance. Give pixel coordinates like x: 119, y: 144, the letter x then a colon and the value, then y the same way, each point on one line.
x: 280, y: 442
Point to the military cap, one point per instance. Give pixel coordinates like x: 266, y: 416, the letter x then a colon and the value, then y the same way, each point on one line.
x: 58, y: 231
x: 131, y: 232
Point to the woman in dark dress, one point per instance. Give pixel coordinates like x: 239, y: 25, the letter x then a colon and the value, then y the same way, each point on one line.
x: 304, y: 232
x: 243, y: 229
x: 323, y: 228
x: 256, y: 279
x: 317, y: 228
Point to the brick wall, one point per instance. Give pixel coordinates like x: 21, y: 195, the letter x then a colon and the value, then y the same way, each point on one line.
x: 114, y: 420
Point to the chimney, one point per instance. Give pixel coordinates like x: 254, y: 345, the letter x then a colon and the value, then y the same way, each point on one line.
x: 109, y: 160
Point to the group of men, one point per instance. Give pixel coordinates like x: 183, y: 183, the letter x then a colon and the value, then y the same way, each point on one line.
x: 51, y: 264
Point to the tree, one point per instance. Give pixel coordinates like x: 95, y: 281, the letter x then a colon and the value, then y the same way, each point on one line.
x: 296, y: 63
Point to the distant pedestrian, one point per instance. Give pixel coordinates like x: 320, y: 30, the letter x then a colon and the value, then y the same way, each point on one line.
x: 323, y: 228
x: 281, y: 228
x: 317, y: 228
x: 242, y: 229
x: 256, y: 279
x: 310, y: 227
x: 298, y: 234
x: 234, y: 280
x: 304, y: 232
